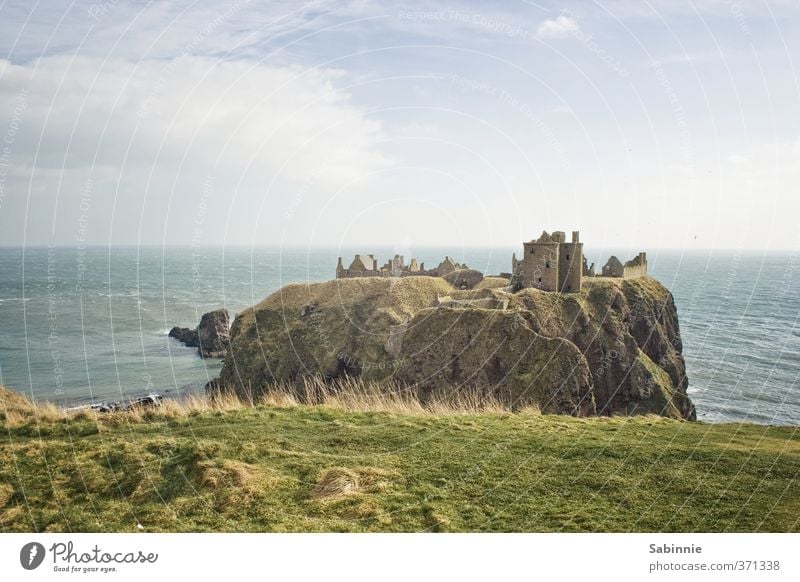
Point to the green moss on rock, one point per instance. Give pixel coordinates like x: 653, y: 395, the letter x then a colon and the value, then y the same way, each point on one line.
x: 613, y: 348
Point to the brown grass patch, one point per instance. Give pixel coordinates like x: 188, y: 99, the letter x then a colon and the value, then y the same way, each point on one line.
x: 6, y: 493
x: 215, y: 474
x: 338, y: 482
x: 347, y: 394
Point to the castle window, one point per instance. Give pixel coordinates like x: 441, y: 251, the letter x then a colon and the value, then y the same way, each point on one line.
x: 567, y: 257
x: 546, y: 265
x: 540, y: 279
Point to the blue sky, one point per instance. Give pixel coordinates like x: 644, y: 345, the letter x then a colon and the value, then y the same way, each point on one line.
x: 668, y: 124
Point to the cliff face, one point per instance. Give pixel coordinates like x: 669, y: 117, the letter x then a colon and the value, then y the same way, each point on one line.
x: 613, y: 348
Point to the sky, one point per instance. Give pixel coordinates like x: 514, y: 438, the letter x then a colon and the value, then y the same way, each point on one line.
x: 643, y: 124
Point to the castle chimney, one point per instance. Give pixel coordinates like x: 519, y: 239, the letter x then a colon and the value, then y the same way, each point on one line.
x: 339, y: 266
x: 575, y: 236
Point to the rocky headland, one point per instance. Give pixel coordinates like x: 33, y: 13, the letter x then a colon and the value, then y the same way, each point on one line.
x: 612, y: 348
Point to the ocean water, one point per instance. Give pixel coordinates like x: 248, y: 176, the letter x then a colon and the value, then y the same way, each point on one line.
x: 90, y: 324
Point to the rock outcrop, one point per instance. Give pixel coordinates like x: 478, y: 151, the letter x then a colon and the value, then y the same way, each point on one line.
x: 464, y: 278
x: 613, y: 348
x: 186, y: 336
x: 211, y: 337
x: 213, y: 334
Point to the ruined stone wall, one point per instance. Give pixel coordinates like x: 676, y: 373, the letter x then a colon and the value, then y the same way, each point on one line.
x: 636, y: 267
x: 539, y: 266
x: 613, y: 268
x: 348, y: 274
x: 633, y: 271
x: 570, y: 267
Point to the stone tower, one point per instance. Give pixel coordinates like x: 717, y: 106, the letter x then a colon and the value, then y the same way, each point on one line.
x: 550, y: 263
x: 539, y: 263
x: 570, y: 268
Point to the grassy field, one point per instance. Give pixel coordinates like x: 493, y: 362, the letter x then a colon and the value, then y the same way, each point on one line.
x: 286, y: 467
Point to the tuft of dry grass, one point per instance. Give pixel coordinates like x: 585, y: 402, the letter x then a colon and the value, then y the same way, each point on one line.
x: 214, y: 474
x: 6, y: 493
x: 353, y: 395
x: 338, y: 482
x: 16, y: 409
x: 346, y: 394
x: 334, y: 483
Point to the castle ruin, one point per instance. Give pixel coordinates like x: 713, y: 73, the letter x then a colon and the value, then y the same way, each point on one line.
x: 636, y: 267
x: 367, y: 266
x: 549, y: 263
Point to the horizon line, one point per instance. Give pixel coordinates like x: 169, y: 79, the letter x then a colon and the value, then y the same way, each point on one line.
x: 367, y: 246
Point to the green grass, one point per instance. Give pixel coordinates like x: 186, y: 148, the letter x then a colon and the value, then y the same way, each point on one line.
x: 321, y: 468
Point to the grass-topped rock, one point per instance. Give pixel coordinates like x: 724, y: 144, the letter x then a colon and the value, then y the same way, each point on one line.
x: 613, y: 348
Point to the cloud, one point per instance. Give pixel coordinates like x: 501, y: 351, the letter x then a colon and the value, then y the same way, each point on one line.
x: 558, y: 27
x: 84, y: 112
x: 692, y: 58
x: 157, y: 29
x: 146, y: 134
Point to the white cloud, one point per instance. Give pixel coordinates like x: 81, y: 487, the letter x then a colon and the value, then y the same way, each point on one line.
x: 191, y: 108
x: 560, y: 26
x: 148, y: 133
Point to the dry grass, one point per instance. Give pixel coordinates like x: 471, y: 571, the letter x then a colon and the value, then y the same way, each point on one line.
x: 355, y: 395
x: 16, y: 409
x: 493, y: 283
x: 349, y: 394
x: 337, y: 482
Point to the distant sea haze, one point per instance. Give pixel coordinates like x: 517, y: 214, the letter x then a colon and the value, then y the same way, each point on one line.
x: 81, y: 324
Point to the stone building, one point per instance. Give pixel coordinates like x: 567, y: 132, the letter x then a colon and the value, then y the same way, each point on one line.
x: 550, y: 263
x: 361, y: 266
x: 636, y: 267
x: 367, y: 266
x: 613, y: 267
x: 447, y: 266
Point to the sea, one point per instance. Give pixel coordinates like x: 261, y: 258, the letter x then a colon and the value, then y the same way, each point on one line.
x: 90, y: 324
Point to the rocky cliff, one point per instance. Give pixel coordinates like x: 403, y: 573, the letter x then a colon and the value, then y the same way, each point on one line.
x: 210, y: 337
x: 613, y: 348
